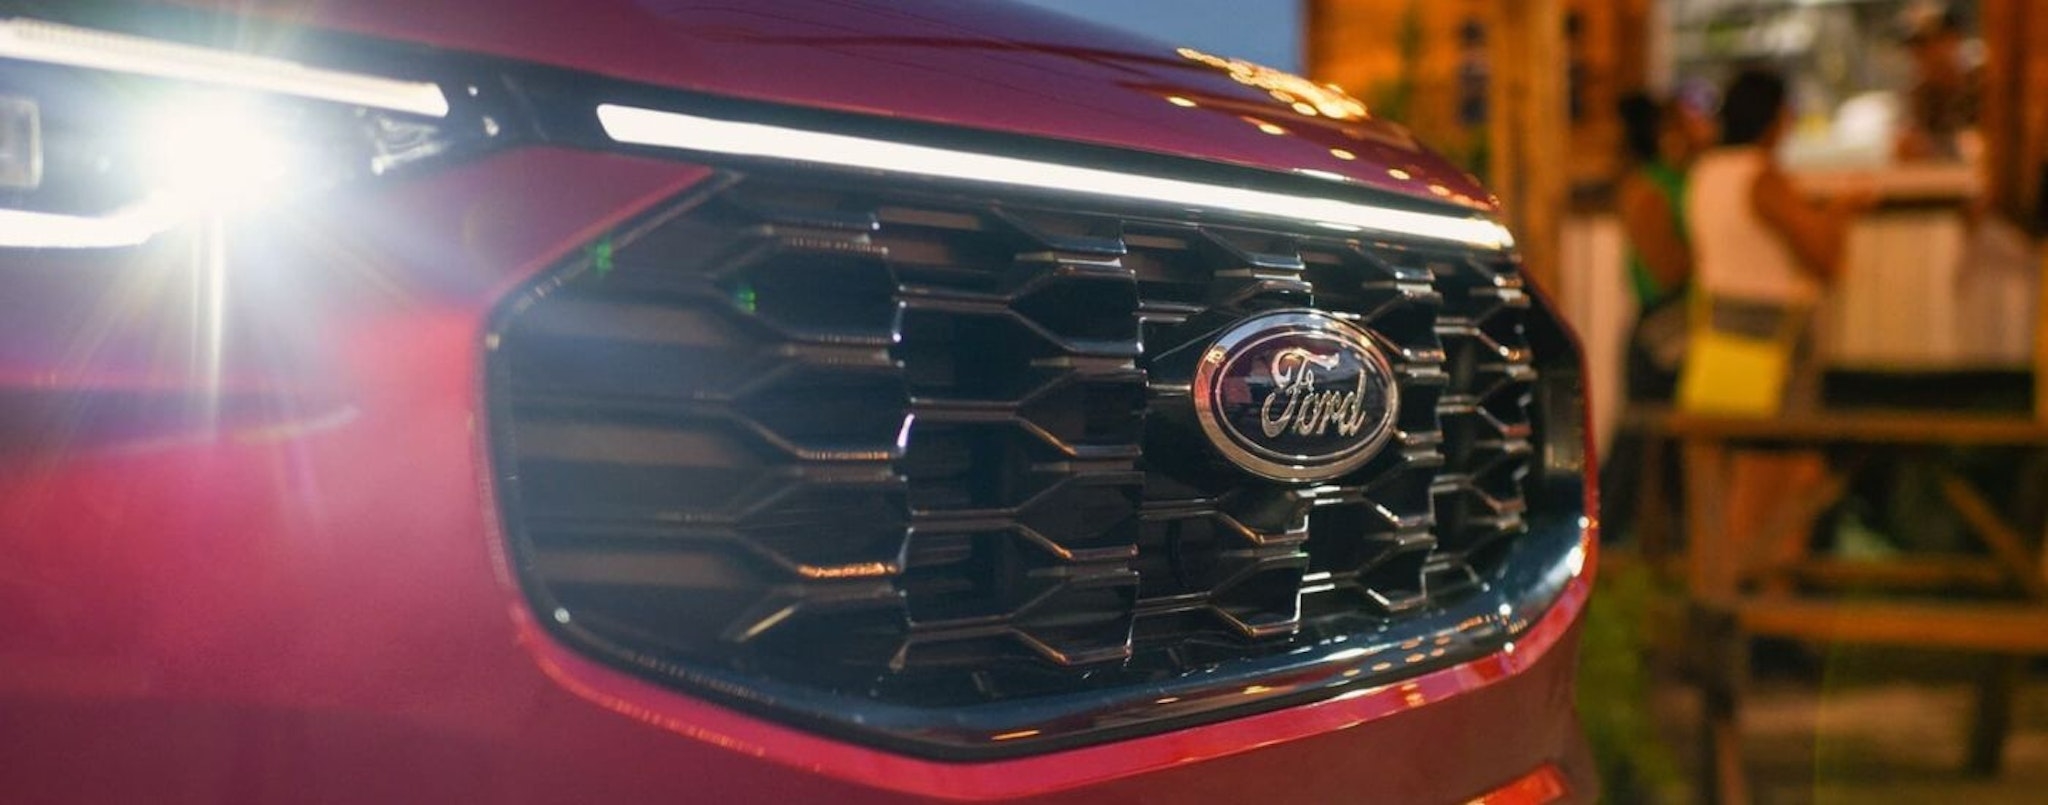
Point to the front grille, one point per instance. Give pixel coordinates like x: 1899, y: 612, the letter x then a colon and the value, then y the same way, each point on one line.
x: 916, y: 445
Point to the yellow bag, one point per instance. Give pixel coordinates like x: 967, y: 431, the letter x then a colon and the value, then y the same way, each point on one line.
x: 1736, y: 371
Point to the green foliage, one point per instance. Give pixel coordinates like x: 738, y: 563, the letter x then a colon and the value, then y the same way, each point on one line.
x: 1478, y: 156
x: 1614, y: 685
x: 1393, y: 99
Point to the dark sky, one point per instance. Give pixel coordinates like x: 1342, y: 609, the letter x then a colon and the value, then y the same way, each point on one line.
x: 1264, y: 31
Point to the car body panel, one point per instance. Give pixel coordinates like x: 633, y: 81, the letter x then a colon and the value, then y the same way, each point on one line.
x: 992, y: 66
x: 304, y: 588
x: 271, y: 570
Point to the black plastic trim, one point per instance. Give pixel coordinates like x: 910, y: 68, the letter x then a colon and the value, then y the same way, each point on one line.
x: 1536, y: 569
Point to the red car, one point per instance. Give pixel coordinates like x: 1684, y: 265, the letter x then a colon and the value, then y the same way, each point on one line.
x: 812, y: 401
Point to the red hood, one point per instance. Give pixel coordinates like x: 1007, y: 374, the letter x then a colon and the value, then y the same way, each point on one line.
x: 985, y: 65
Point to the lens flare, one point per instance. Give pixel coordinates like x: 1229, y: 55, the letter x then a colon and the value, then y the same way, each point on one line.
x: 214, y: 153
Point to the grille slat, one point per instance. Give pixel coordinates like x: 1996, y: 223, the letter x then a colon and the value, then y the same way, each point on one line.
x: 934, y: 448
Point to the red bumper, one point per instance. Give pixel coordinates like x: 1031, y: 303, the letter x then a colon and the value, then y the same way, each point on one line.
x: 305, y: 598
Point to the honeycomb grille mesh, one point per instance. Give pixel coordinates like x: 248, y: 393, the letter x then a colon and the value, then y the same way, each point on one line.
x: 929, y: 448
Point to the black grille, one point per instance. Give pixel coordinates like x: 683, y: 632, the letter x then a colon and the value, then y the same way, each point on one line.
x: 903, y: 443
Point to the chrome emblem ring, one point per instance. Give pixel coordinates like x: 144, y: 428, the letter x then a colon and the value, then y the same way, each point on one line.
x: 1296, y: 395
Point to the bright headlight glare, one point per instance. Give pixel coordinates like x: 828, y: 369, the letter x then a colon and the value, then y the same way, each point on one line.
x: 213, y: 154
x: 52, y: 43
x: 129, y: 137
x: 125, y: 227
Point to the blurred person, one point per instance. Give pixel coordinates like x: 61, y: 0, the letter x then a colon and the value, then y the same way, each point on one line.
x: 1662, y: 137
x: 1943, y: 102
x: 1757, y: 241
x: 1763, y: 255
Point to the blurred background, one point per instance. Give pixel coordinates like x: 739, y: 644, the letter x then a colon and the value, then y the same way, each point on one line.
x: 1819, y: 393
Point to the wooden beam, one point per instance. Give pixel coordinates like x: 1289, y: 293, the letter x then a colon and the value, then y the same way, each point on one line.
x: 2002, y: 677
x: 1861, y: 427
x: 2013, y: 123
x: 1915, y: 574
x: 1709, y: 568
x: 2006, y: 543
x: 1987, y: 627
x: 2041, y: 344
x: 2002, y: 112
x: 1527, y: 134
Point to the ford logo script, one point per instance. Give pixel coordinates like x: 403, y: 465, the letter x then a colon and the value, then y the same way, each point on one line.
x: 1296, y: 395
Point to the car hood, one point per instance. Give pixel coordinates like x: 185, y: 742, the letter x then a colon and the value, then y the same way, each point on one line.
x: 985, y: 65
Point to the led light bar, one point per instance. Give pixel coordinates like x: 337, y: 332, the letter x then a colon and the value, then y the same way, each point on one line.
x: 133, y: 226
x: 52, y: 43
x: 653, y: 127
x: 21, y: 143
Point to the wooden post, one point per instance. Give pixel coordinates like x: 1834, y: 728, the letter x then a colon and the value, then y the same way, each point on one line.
x: 2014, y: 126
x: 2041, y: 359
x: 1708, y: 574
x: 2016, y: 134
x: 2001, y: 678
x: 2002, y: 112
x: 1526, y: 131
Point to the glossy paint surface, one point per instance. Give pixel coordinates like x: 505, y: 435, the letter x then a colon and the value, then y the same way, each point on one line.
x: 984, y: 65
x: 248, y: 549
x: 281, y: 580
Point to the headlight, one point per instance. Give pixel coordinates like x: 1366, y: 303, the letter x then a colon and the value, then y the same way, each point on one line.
x: 108, y: 139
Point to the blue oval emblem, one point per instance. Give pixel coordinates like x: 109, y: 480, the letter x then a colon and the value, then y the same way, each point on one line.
x: 1296, y: 395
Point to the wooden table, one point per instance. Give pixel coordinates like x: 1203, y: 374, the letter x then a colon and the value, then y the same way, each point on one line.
x: 1735, y: 594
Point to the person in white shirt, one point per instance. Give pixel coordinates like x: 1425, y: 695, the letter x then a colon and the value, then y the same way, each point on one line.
x: 1755, y: 237
x: 1763, y: 253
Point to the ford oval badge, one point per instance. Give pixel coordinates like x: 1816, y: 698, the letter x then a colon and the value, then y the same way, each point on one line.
x: 1296, y: 395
